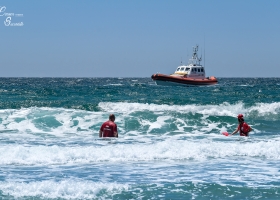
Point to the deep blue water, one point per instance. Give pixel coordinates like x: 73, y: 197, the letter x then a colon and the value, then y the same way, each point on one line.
x: 169, y: 147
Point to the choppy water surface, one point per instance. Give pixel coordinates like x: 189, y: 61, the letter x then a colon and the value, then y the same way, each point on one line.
x: 169, y: 147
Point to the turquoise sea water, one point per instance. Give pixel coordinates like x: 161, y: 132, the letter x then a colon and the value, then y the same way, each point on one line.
x: 169, y: 147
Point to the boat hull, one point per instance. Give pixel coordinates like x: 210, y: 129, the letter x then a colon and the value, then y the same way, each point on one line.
x: 168, y: 80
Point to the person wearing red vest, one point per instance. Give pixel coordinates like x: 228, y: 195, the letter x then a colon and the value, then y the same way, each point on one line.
x: 109, y: 128
x: 243, y: 127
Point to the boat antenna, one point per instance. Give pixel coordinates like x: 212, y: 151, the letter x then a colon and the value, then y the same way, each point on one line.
x: 204, y: 51
x: 188, y: 56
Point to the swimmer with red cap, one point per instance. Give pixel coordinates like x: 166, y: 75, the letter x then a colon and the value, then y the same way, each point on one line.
x: 243, y: 127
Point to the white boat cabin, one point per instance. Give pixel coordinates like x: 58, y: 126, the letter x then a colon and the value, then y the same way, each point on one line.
x: 190, y: 71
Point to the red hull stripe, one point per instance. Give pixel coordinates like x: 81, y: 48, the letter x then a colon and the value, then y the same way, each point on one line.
x: 182, y: 80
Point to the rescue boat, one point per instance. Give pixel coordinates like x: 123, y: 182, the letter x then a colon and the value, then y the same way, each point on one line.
x: 192, y: 74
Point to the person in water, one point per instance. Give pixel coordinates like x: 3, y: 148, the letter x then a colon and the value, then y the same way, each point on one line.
x: 109, y: 128
x: 243, y: 127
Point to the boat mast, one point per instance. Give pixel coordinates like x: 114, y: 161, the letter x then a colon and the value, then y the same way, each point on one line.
x: 195, y: 60
x: 204, y: 53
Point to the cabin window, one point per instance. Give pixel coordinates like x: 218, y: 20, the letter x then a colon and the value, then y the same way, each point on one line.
x: 195, y: 69
x: 178, y: 68
x: 192, y: 69
x: 202, y: 70
x: 198, y: 70
x: 182, y: 68
x: 187, y: 69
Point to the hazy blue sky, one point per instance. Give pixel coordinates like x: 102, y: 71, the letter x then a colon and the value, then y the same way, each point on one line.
x: 137, y: 38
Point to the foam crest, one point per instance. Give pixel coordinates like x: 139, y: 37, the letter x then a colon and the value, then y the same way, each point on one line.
x: 116, y: 84
x: 66, y: 189
x: 158, y: 124
x: 169, y: 149
x: 151, y: 118
x: 49, y: 120
x: 224, y: 109
x: 265, y: 108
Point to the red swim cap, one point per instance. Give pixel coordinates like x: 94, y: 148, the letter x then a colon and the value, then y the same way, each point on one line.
x: 240, y: 116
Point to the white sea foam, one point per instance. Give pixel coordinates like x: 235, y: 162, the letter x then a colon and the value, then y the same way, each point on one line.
x: 158, y: 124
x: 224, y: 109
x: 49, y: 120
x: 266, y: 108
x: 116, y: 84
x: 60, y: 121
x: 172, y: 148
x: 67, y: 189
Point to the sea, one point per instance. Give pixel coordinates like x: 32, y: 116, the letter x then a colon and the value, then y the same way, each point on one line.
x: 170, y: 143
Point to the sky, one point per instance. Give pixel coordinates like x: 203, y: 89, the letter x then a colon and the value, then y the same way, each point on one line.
x: 137, y: 38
